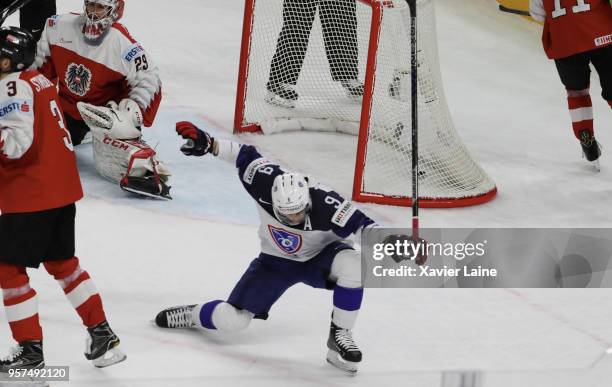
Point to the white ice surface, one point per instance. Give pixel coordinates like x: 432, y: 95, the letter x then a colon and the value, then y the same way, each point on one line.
x: 145, y: 255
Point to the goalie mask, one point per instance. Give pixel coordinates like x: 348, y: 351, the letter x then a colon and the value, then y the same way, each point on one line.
x: 291, y: 198
x: 99, y: 16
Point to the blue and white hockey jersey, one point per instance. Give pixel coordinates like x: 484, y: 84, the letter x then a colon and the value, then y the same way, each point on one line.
x: 331, y: 218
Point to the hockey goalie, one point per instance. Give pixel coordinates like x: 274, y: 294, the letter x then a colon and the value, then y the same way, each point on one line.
x: 109, y: 87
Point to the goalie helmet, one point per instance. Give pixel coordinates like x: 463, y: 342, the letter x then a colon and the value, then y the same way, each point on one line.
x: 98, y: 22
x: 290, y: 198
x: 18, y: 45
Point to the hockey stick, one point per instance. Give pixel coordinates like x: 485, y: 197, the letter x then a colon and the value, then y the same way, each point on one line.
x: 514, y: 11
x: 414, y: 110
x: 11, y: 9
x: 422, y: 257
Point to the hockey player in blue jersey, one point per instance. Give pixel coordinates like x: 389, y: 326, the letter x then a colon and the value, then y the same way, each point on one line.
x: 303, y: 233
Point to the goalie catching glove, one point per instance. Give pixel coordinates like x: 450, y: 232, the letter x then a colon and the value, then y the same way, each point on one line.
x: 198, y: 142
x: 121, y: 121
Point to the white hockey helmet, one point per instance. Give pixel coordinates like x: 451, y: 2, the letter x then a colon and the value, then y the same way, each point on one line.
x: 290, y: 198
x: 98, y: 23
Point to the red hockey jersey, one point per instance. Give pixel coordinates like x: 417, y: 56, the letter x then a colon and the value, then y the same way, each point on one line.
x: 38, y: 168
x: 117, y: 68
x: 575, y: 26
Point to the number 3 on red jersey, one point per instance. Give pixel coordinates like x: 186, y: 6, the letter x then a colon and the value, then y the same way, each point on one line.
x: 581, y: 6
x: 56, y: 113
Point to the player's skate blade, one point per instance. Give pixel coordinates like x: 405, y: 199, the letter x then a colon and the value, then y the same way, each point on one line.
x: 112, y: 356
x: 280, y: 94
x: 176, y: 317
x: 336, y: 360
x: 276, y: 100
x: 354, y: 89
x: 146, y: 187
x: 102, y: 346
x: 343, y: 352
x: 591, y: 150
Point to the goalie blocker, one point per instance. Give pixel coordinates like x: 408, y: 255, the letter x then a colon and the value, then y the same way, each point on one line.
x: 120, y: 154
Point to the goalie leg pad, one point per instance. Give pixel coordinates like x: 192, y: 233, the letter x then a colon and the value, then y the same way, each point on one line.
x: 132, y: 164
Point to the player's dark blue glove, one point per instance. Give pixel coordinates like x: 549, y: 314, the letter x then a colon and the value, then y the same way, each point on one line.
x: 198, y: 142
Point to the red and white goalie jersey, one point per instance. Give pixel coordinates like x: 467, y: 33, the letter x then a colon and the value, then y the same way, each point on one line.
x: 115, y: 69
x: 575, y: 26
x: 38, y: 168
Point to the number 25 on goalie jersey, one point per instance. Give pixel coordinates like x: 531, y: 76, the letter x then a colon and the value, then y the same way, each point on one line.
x: 575, y: 26
x: 37, y: 163
x: 331, y: 217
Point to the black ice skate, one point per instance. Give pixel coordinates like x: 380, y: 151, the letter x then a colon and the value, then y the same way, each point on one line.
x: 353, y: 88
x: 590, y: 148
x: 175, y: 317
x: 343, y: 352
x: 280, y: 94
x: 147, y: 186
x: 102, y: 346
x: 26, y: 355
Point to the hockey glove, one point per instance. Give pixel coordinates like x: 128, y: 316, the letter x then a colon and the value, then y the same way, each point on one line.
x: 119, y: 124
x: 407, y: 248
x: 198, y: 142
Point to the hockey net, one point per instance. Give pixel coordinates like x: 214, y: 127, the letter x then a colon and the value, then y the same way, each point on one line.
x: 366, y: 40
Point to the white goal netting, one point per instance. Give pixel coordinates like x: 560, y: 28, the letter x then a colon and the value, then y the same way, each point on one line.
x: 344, y: 65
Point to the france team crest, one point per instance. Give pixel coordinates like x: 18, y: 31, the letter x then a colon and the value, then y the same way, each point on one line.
x: 287, y: 241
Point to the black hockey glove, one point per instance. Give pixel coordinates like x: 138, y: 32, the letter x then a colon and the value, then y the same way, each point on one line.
x: 198, y: 142
x: 407, y: 248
